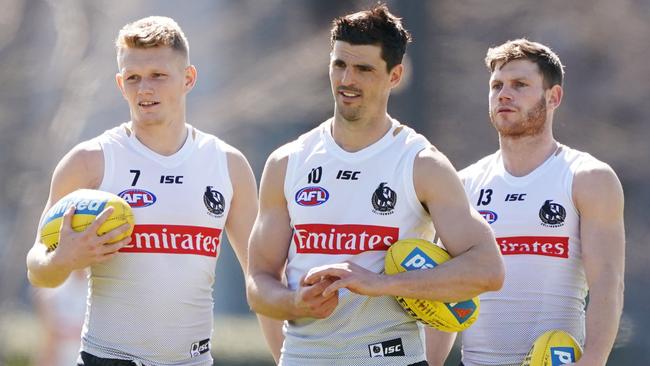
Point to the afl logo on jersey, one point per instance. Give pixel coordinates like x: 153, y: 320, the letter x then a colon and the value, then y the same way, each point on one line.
x: 384, y: 200
x: 312, y: 196
x: 489, y: 216
x: 138, y: 197
x: 214, y: 201
x: 552, y: 214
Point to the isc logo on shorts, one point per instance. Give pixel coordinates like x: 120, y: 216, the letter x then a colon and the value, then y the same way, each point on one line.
x: 417, y: 259
x: 562, y: 356
x: 200, y: 347
x: 387, y: 348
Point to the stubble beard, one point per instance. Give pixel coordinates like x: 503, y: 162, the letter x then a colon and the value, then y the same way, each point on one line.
x: 348, y: 113
x: 532, y: 124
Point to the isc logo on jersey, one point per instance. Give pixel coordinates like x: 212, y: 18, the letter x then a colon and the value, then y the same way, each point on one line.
x: 138, y: 197
x: 312, y: 196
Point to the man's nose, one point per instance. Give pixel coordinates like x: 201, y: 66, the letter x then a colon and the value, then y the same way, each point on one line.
x: 145, y: 87
x: 505, y: 94
x: 348, y: 77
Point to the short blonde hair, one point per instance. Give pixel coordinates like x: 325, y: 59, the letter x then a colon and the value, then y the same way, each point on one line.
x: 153, y: 31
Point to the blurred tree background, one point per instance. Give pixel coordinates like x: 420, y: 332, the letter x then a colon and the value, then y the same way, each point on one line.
x: 263, y: 81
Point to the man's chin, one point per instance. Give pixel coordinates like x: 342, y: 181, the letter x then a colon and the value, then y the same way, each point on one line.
x: 349, y: 115
x: 149, y: 121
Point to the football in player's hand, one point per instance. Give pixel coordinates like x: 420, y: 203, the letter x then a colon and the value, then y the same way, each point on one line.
x: 89, y: 203
x: 414, y: 254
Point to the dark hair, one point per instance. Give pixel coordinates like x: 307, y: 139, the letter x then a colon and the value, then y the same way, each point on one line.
x: 376, y: 26
x: 522, y: 49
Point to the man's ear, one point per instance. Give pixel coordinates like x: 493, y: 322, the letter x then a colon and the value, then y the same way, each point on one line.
x: 396, y: 75
x: 119, y: 80
x: 554, y: 96
x: 190, y: 77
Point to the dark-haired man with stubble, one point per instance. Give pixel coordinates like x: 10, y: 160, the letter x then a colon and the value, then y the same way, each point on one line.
x: 558, y: 217
x: 335, y: 199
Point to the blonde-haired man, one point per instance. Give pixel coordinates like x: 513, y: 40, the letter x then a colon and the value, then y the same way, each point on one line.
x: 150, y: 299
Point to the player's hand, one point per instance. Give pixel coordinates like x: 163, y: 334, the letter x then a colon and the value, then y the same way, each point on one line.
x: 77, y: 250
x: 310, y: 301
x: 349, y: 275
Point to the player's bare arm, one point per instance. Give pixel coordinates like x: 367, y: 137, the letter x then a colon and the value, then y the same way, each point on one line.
x: 243, y: 210
x: 477, y: 266
x: 82, y: 167
x: 243, y: 207
x: 268, y: 249
x: 439, y: 343
x: 598, y: 196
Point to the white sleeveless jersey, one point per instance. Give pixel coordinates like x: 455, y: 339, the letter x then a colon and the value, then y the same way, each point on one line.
x: 538, y: 231
x: 153, y: 301
x: 351, y: 207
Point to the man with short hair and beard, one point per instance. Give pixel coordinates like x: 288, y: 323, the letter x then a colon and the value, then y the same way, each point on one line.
x: 558, y: 217
x: 335, y: 199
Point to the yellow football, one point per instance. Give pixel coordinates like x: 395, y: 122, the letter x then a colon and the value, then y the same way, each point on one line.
x: 553, y: 348
x: 89, y: 203
x: 413, y: 254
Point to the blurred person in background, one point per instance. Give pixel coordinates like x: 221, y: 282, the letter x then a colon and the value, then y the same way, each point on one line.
x: 335, y: 199
x: 60, y: 312
x: 149, y: 304
x: 558, y: 217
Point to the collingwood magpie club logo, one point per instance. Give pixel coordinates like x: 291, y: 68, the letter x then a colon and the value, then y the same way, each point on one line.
x: 214, y: 201
x: 384, y: 200
x: 552, y: 214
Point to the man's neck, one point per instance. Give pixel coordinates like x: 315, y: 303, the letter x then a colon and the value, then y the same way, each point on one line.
x: 164, y: 138
x: 522, y: 155
x: 357, y: 135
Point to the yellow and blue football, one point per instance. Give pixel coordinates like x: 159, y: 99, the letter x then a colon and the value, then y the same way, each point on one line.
x: 553, y: 348
x: 89, y: 203
x: 414, y: 254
